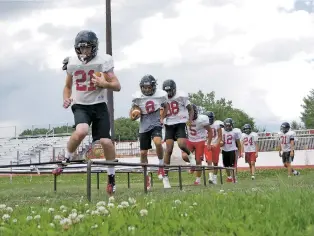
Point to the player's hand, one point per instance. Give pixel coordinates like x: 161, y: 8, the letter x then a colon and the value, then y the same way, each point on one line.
x: 291, y: 153
x: 256, y: 155
x: 280, y: 155
x: 209, y: 147
x: 100, y: 81
x: 242, y: 155
x: 67, y: 102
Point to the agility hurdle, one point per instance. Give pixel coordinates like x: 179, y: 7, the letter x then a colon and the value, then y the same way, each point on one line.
x: 138, y: 168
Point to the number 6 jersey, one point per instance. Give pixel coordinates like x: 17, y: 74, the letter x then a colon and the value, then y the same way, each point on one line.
x: 85, y: 92
x: 177, y: 112
x: 150, y: 107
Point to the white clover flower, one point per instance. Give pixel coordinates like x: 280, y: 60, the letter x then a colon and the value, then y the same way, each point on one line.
x: 38, y: 226
x: 74, y: 211
x: 2, y: 206
x: 103, y: 210
x: 177, y: 202
x: 57, y: 217
x: 94, y: 226
x: 52, y: 225
x: 132, y: 200
x: 63, y: 207
x: 37, y: 217
x: 110, y: 205
x: 194, y: 204
x: 9, y: 209
x: 72, y: 216
x: 101, y: 203
x: 65, y: 221
x: 14, y: 220
x: 131, y: 228
x: 86, y: 205
x: 124, y: 204
x: 95, y: 212
x: 87, y: 212
x: 119, y: 206
x: 143, y: 212
x: 111, y: 199
x: 80, y: 217
x: 221, y: 190
x: 50, y: 210
x: 28, y: 218
x: 6, y: 217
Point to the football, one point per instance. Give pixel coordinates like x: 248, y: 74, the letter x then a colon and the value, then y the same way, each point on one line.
x: 135, y: 113
x: 108, y: 79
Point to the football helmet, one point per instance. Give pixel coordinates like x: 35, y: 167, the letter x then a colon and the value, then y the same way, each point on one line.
x: 285, y: 127
x: 170, y: 87
x: 84, y: 40
x: 211, y: 116
x: 228, y: 124
x: 148, y: 85
x: 247, y: 128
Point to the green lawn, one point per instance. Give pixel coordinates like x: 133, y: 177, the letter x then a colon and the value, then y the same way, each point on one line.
x: 270, y: 205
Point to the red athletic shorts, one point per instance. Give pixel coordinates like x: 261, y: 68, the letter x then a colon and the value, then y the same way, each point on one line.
x: 197, y: 148
x: 213, y: 154
x: 250, y: 157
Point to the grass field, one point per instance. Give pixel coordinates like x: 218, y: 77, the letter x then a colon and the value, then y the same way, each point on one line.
x: 270, y: 205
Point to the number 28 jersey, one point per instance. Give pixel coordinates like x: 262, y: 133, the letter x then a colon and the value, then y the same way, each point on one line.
x: 177, y: 112
x: 249, y: 141
x: 85, y: 92
x: 229, y: 138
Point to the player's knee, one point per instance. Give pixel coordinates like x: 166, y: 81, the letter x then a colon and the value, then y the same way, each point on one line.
x: 157, y: 141
x: 81, y: 131
x: 106, y: 143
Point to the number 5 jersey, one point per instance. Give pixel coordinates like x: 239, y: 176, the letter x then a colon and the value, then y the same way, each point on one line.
x: 150, y: 108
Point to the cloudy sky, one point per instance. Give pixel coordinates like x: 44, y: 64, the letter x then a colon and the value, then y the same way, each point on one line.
x: 256, y: 53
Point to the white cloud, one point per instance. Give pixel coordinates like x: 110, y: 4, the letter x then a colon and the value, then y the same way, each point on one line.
x: 230, y: 32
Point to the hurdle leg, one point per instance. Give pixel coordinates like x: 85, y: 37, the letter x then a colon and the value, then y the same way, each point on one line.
x: 89, y: 180
x: 98, y: 180
x: 204, y: 175
x: 129, y: 183
x: 180, y: 177
x: 220, y: 174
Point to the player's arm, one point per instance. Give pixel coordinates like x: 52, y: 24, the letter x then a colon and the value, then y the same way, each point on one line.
x: 67, y: 91
x: 163, y: 111
x: 114, y: 83
x: 292, y: 144
x: 209, y: 134
x: 219, y: 131
x: 256, y: 146
x: 242, y: 145
x: 279, y: 147
x: 191, y: 112
x: 239, y: 146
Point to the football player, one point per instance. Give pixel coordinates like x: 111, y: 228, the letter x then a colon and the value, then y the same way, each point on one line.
x: 198, y: 131
x: 151, y: 102
x: 89, y: 101
x: 249, y: 147
x: 212, y: 153
x: 286, y: 148
x: 230, y: 141
x: 179, y: 112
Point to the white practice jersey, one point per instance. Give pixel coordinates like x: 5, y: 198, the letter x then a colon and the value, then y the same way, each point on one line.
x: 249, y: 141
x: 285, y: 139
x: 238, y: 131
x: 196, y: 131
x: 229, y: 138
x: 215, y: 127
x: 150, y: 107
x: 177, y: 111
x: 85, y: 92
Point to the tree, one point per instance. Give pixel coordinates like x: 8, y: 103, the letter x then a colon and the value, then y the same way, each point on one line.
x: 222, y: 108
x: 126, y: 129
x: 296, y: 126
x: 307, y: 116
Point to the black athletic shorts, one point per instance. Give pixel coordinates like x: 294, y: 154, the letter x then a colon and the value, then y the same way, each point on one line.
x: 286, y: 158
x: 175, y: 131
x: 146, y: 138
x: 96, y: 115
x: 229, y: 158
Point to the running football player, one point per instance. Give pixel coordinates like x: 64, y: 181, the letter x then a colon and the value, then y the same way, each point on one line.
x: 249, y: 147
x: 151, y: 102
x: 179, y: 112
x: 212, y: 153
x: 230, y: 141
x: 286, y: 148
x: 89, y: 100
x: 198, y: 131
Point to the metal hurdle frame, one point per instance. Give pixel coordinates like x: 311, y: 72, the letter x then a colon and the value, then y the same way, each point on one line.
x: 143, y: 169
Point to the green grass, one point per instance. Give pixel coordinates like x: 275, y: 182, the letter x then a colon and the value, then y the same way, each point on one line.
x: 271, y: 205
